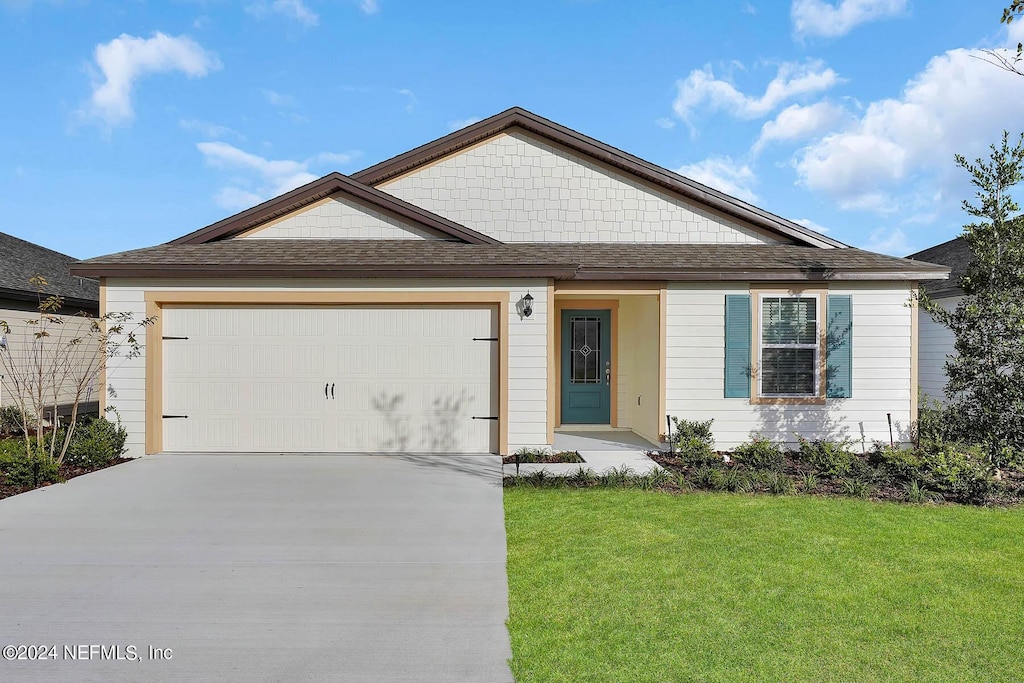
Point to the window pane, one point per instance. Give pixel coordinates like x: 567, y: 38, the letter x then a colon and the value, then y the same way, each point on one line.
x: 788, y: 320
x: 585, y: 351
x: 787, y: 371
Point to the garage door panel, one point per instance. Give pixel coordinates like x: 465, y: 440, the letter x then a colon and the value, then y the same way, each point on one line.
x: 405, y: 379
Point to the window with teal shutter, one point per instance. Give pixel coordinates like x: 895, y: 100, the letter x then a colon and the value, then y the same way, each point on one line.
x: 737, y: 346
x: 839, y: 347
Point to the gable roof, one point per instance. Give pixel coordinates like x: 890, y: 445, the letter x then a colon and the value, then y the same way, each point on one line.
x: 562, y: 261
x: 331, y: 184
x: 24, y: 260
x: 517, y: 117
x: 956, y: 254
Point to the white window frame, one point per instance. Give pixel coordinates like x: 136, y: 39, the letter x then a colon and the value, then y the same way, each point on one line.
x: 818, y: 314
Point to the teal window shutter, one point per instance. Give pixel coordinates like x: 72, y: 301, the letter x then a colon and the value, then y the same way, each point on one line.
x: 839, y: 347
x: 737, y: 346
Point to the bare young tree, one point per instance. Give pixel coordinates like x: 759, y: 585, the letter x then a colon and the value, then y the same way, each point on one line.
x: 1009, y: 61
x: 57, y: 360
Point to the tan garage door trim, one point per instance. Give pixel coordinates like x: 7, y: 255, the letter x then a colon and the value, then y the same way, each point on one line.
x: 156, y: 300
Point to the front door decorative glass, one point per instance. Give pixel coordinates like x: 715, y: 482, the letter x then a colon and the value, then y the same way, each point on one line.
x: 586, y: 367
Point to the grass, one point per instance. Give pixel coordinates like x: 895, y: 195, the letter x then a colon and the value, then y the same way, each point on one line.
x: 624, y: 585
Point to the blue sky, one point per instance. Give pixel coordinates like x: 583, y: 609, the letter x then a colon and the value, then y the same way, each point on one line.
x: 126, y: 124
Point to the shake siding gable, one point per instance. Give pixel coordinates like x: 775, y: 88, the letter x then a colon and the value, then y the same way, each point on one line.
x: 518, y: 188
x: 339, y: 218
x: 881, y: 381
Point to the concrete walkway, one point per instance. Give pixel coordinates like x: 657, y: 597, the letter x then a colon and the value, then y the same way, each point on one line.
x: 261, y: 568
x: 601, y: 450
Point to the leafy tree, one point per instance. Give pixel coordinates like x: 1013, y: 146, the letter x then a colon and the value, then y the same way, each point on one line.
x: 985, y: 390
x: 53, y: 359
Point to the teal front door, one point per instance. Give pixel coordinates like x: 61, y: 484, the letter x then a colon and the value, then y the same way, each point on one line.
x: 586, y: 366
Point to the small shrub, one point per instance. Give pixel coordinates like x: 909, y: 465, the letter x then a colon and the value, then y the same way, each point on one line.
x: 916, y: 493
x: 827, y: 457
x: 686, y: 431
x: 856, y: 488
x: 759, y: 454
x: 11, y: 422
x: 582, y: 478
x: 96, y: 442
x: 704, y: 477
x: 734, y: 481
x: 932, y: 426
x: 779, y: 484
x: 901, y: 464
x: 694, y: 443
x: 21, y: 470
x: 809, y: 482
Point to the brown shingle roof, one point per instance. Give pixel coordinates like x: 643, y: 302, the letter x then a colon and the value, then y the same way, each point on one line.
x: 582, y: 261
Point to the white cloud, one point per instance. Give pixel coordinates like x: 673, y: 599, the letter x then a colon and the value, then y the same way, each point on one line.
x: 829, y: 20
x: 126, y: 59
x: 892, y: 241
x: 810, y: 225
x: 293, y: 9
x: 410, y: 98
x: 957, y: 104
x: 665, y: 122
x: 723, y: 174
x: 209, y: 130
x: 748, y: 8
x: 337, y: 158
x: 261, y: 178
x: 793, y: 79
x: 797, y: 122
x: 462, y: 123
x: 276, y: 99
x: 369, y: 6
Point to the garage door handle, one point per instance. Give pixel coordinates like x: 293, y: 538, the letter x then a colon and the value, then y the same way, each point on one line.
x: 326, y: 384
x: 477, y: 417
x: 332, y: 391
x: 175, y: 417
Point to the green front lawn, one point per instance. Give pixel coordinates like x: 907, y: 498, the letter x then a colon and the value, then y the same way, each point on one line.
x: 624, y: 585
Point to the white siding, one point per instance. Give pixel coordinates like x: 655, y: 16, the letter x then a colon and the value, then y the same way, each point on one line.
x: 881, y: 370
x: 935, y: 342
x: 21, y: 345
x: 516, y: 188
x: 340, y: 218
x: 527, y: 398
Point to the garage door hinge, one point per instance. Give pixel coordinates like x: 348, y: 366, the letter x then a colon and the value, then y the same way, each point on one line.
x: 175, y: 417
x: 476, y: 417
x: 165, y: 338
x: 485, y: 339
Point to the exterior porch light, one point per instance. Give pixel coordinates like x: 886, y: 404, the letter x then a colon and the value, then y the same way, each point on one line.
x: 527, y: 304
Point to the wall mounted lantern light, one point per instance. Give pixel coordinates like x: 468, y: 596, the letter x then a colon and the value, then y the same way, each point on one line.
x: 527, y: 304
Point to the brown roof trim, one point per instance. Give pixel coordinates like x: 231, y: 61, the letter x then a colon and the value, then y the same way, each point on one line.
x: 557, y: 271
x: 530, y: 122
x: 333, y: 183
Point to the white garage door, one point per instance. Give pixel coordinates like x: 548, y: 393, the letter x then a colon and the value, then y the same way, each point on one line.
x: 330, y: 379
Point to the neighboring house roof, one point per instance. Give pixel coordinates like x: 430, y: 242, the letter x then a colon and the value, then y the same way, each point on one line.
x: 333, y: 184
x: 596, y: 150
x: 24, y: 260
x: 956, y: 254
x: 564, y: 261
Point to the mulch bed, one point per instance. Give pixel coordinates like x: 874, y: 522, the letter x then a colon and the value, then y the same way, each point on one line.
x: 547, y: 458
x: 66, y: 472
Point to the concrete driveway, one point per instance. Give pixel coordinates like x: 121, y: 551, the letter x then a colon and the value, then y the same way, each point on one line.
x: 260, y: 568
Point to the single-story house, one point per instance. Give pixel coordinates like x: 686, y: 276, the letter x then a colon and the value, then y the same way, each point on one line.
x: 20, y: 262
x: 936, y: 340
x: 488, y: 289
